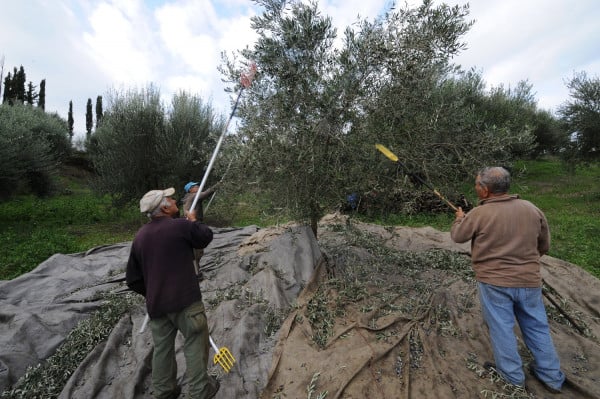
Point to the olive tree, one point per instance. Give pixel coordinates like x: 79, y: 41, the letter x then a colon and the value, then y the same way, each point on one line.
x: 320, y: 103
x: 581, y: 114
x: 293, y: 116
x: 438, y: 119
x: 32, y: 146
x: 142, y: 145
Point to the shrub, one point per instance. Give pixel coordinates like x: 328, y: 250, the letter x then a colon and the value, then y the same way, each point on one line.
x: 32, y: 145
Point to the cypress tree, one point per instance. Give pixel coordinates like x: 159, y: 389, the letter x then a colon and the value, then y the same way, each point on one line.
x: 70, y: 121
x: 19, y: 84
x: 6, y: 98
x: 31, y: 95
x: 98, y: 110
x: 42, y: 95
x: 1, y: 73
x: 89, y: 119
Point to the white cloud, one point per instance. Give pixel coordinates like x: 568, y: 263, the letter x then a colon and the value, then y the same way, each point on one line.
x: 121, y: 41
x: 194, y: 35
x: 186, y: 32
x: 190, y: 83
x: 538, y: 41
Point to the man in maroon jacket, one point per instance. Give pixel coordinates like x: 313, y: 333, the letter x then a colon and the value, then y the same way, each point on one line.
x: 160, y: 267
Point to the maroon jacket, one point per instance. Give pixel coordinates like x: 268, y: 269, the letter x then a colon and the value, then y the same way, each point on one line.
x: 161, y: 264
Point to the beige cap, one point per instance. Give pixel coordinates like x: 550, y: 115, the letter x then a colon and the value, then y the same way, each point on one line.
x: 153, y: 198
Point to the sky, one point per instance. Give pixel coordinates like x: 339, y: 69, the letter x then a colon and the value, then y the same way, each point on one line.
x: 87, y: 48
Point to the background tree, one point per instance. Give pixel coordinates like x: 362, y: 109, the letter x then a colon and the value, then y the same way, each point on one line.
x: 89, y: 119
x: 192, y: 130
x: 141, y: 145
x: 550, y: 134
x: 31, y: 94
x: 42, y: 95
x: 19, y: 80
x: 7, y: 96
x: 1, y: 74
x: 14, y: 87
x: 581, y: 115
x: 16, y: 91
x: 70, y: 121
x: 32, y: 145
x: 98, y: 111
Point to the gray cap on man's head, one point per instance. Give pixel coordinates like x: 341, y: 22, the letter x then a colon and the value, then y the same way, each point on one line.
x: 153, y: 198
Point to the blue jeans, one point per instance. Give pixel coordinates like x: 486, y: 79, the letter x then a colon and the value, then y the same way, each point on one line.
x: 500, y: 307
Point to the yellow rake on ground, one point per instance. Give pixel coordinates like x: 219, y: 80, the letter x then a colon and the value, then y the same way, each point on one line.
x: 222, y: 356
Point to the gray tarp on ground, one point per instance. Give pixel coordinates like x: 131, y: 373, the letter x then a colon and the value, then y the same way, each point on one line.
x: 253, y: 272
x: 258, y: 270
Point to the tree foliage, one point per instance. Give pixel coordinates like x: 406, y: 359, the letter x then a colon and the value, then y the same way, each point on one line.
x: 99, y: 111
x: 293, y: 115
x: 550, y: 134
x: 320, y: 104
x: 581, y: 114
x: 42, y: 95
x: 89, y: 118
x: 70, y: 121
x: 18, y: 91
x: 32, y: 145
x: 14, y: 87
x: 142, y: 145
x: 31, y: 96
x: 439, y: 120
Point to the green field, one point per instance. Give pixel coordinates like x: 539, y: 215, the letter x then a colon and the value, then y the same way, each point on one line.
x: 32, y: 229
x: 571, y: 203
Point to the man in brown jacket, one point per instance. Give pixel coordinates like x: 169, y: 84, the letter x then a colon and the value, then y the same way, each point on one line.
x: 508, y: 236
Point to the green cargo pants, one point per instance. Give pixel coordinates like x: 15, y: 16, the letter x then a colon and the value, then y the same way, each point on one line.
x: 192, y: 323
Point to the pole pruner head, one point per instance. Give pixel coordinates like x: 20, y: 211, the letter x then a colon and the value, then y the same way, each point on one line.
x: 247, y: 77
x: 383, y: 149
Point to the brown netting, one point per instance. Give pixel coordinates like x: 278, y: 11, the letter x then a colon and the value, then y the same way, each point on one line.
x: 416, y: 330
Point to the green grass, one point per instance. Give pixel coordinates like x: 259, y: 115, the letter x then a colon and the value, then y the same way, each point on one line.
x: 32, y: 230
x: 243, y: 209
x: 571, y: 203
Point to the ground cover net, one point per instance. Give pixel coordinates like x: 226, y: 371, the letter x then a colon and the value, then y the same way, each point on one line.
x: 364, y: 312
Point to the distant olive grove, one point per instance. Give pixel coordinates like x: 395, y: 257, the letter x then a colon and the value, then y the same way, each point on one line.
x: 143, y: 144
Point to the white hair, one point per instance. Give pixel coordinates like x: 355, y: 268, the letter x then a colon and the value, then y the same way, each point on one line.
x: 157, y: 211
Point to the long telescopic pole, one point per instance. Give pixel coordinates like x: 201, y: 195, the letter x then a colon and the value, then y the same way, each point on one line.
x: 246, y: 81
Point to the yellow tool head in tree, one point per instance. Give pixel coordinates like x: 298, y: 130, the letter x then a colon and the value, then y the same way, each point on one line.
x: 386, y: 152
